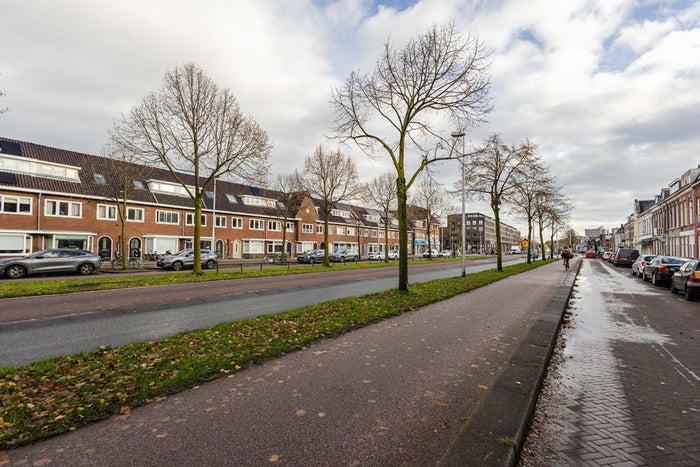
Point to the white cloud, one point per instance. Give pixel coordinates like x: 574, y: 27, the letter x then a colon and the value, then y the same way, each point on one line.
x: 603, y: 87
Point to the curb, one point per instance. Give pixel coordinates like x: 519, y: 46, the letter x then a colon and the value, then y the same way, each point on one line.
x: 495, y: 433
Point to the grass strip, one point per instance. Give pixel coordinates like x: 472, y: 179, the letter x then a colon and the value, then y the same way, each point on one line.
x: 143, y: 278
x: 53, y: 396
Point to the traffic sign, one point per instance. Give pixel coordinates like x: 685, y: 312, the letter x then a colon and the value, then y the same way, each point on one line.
x: 524, y: 243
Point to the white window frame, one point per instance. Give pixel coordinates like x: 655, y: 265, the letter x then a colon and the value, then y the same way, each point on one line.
x: 256, y: 224
x: 70, y: 206
x: 130, y: 218
x: 106, y: 212
x: 189, y: 219
x: 307, y: 228
x: 236, y: 222
x: 220, y: 221
x: 165, y: 217
x: 274, y: 226
x: 19, y: 201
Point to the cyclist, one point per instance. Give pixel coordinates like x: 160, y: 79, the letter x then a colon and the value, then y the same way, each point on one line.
x: 566, y: 256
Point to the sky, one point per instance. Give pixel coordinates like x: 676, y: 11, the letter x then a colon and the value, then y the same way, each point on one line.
x: 609, y: 90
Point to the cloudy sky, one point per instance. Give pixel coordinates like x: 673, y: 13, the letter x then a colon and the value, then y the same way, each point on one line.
x: 608, y: 89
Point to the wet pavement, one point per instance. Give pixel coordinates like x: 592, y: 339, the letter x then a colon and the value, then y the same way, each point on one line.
x: 622, y: 389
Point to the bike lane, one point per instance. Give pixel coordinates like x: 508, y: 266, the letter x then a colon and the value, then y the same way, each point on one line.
x: 623, y: 385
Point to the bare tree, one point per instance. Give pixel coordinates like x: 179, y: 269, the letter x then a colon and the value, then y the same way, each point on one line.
x: 437, y: 77
x: 532, y: 182
x: 431, y: 198
x: 115, y: 173
x: 552, y: 212
x: 288, y: 196
x: 492, y: 175
x: 192, y: 126
x: 2, y: 111
x: 331, y: 178
x: 381, y: 192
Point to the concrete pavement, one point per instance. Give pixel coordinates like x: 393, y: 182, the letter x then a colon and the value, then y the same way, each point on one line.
x: 453, y: 383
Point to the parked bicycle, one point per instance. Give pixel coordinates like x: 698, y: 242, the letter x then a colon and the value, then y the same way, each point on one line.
x: 133, y: 262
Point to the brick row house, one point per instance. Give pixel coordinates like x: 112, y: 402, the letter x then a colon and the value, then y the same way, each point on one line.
x: 55, y: 198
x: 668, y: 224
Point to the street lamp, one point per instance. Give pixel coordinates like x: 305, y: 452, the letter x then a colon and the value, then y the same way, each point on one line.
x: 456, y: 135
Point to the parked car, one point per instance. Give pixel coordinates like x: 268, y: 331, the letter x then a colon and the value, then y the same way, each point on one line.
x: 606, y: 255
x: 312, y: 256
x: 590, y: 254
x: 687, y: 279
x: 185, y: 259
x: 430, y: 254
x: 625, y: 257
x: 393, y: 254
x: 51, y: 261
x: 342, y: 256
x: 447, y: 253
x: 640, y: 263
x: 376, y: 256
x: 661, y: 268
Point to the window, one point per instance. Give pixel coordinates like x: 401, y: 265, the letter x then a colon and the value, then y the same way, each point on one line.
x: 99, y: 178
x: 167, y: 217
x: 106, y: 212
x: 220, y: 221
x: 189, y: 219
x: 134, y: 214
x: 41, y: 169
x: 256, y: 224
x: 14, y: 244
x: 340, y: 213
x: 290, y: 226
x: 63, y: 208
x: 330, y: 229
x: 236, y: 223
x: 231, y: 199
x: 351, y: 230
x: 253, y: 246
x: 319, y: 228
x: 307, y: 228
x: 274, y: 225
x: 341, y: 230
x: 15, y: 204
x: 139, y: 185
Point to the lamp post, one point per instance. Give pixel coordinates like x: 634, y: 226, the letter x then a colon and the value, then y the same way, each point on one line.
x: 456, y: 135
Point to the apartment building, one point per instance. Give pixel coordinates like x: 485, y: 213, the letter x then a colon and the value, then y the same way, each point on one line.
x: 480, y: 233
x: 56, y: 198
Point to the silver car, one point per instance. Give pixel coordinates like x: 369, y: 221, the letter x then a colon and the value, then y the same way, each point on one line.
x: 185, y: 259
x: 51, y: 261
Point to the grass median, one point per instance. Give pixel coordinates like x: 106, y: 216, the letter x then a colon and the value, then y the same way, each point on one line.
x: 61, y: 394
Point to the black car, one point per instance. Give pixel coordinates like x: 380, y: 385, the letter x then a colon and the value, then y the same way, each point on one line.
x: 687, y: 279
x: 661, y: 268
x: 625, y: 257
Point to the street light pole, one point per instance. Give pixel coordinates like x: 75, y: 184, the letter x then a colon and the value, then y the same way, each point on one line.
x: 460, y: 134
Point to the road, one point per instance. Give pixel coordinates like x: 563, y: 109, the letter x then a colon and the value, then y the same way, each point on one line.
x: 623, y: 386
x: 36, y: 328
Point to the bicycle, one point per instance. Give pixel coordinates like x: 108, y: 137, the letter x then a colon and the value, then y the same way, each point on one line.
x: 134, y: 262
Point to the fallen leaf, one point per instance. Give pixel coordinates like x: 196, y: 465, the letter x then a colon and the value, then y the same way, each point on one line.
x: 124, y: 410
x: 274, y: 458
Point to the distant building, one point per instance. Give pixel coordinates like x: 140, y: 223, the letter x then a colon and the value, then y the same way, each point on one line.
x: 480, y: 234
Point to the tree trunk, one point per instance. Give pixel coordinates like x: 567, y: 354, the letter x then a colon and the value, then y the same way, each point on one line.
x: 197, y: 266
x: 402, y: 199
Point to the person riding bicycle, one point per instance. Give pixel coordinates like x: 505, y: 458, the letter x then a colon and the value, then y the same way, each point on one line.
x: 566, y: 256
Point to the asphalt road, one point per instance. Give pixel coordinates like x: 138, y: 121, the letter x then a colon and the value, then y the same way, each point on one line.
x: 36, y: 328
x: 397, y: 392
